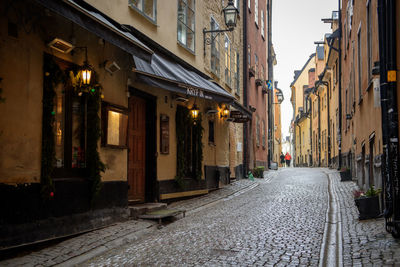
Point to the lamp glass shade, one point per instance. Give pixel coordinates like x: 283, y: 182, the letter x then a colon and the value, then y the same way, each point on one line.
x: 230, y: 15
x: 86, y: 75
x: 195, y: 112
x: 225, y: 112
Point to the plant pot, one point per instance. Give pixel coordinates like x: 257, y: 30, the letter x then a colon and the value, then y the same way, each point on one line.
x: 345, y: 176
x: 368, y: 207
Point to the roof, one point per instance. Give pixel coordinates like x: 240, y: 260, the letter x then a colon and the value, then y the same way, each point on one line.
x: 297, y: 73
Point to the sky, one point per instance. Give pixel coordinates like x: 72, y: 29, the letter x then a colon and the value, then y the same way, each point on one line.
x: 296, y: 25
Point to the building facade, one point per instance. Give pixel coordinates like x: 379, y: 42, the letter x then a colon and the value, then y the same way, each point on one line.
x: 161, y: 119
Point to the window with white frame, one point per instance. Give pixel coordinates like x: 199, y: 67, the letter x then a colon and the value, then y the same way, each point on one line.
x: 186, y: 23
x: 237, y: 76
x: 262, y: 23
x: 215, y: 56
x: 147, y: 8
x: 249, y: 4
x: 256, y: 11
x: 369, y: 39
x: 227, y: 46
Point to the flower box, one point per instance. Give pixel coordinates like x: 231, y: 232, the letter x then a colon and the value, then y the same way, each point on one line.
x: 368, y: 207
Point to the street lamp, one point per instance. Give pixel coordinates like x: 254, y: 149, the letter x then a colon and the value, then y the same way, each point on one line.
x: 230, y: 17
x: 279, y: 96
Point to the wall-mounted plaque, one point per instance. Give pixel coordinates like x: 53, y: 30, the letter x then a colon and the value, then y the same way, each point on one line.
x: 164, y: 134
x: 114, y: 125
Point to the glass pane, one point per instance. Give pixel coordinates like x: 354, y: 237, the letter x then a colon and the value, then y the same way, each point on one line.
x: 149, y: 8
x: 59, y: 107
x: 137, y: 3
x: 191, y: 4
x: 190, y: 19
x: 116, y: 128
x: 190, y: 40
x: 181, y: 33
x: 78, y: 126
x: 182, y: 11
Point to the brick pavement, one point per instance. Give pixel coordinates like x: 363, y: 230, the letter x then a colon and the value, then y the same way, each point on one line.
x: 365, y: 242
x: 88, y: 245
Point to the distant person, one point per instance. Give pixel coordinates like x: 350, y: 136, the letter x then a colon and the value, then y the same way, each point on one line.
x: 287, y: 159
x: 282, y: 159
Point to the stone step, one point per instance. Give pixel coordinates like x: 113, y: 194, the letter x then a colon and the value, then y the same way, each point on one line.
x: 139, y: 209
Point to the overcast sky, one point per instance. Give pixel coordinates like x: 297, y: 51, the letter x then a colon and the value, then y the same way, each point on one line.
x: 296, y: 24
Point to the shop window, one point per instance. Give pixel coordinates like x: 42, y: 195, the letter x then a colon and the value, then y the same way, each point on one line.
x: 114, y: 125
x: 147, y: 8
x: 69, y: 131
x: 186, y: 23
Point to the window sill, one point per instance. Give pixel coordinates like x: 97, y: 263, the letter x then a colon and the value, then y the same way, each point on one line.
x: 256, y: 25
x: 370, y: 83
x: 360, y: 101
x: 212, y: 144
x: 186, y: 48
x: 237, y: 95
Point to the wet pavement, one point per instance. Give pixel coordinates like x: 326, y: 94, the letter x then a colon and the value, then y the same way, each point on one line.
x: 275, y: 221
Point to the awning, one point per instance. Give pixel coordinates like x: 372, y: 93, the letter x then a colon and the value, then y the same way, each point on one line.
x: 172, y: 76
x: 99, y: 24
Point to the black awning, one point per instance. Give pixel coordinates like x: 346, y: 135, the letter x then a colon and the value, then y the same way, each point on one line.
x: 99, y: 24
x: 174, y: 77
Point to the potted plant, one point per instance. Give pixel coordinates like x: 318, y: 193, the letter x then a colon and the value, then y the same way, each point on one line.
x: 367, y: 203
x: 345, y: 174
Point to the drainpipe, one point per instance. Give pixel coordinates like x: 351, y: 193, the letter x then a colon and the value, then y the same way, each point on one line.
x: 245, y: 99
x: 387, y: 54
x: 271, y: 78
x: 340, y: 86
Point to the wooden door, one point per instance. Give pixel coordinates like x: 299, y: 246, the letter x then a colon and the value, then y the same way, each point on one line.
x: 137, y: 149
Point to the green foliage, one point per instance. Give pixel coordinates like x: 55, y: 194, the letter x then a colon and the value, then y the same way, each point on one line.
x: 373, y: 192
x: 189, y: 134
x: 259, y: 172
x: 53, y: 76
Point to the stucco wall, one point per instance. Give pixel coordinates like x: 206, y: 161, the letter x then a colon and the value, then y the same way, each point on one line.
x: 21, y: 113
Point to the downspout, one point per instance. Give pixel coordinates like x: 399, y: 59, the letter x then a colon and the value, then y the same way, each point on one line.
x: 387, y: 54
x: 271, y: 78
x: 340, y: 87
x: 245, y: 99
x: 329, y: 125
x: 319, y: 129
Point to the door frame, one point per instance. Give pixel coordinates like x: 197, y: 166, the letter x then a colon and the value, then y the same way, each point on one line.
x: 151, y: 188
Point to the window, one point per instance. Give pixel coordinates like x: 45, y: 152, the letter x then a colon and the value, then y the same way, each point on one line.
x: 256, y: 11
x: 257, y: 131
x: 249, y: 4
x: 262, y: 23
x: 262, y: 72
x: 256, y: 65
x: 145, y: 7
x: 211, y: 132
x: 369, y: 39
x: 359, y: 64
x: 249, y: 56
x: 70, y: 131
x: 236, y: 77
x: 228, y: 77
x: 263, y: 134
x: 114, y: 125
x: 186, y: 21
x: 215, y: 57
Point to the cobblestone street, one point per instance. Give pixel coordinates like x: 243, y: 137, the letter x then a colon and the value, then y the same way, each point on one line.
x: 279, y: 222
x: 275, y: 221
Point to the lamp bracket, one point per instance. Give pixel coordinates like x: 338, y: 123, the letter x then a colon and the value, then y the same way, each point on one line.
x: 210, y: 40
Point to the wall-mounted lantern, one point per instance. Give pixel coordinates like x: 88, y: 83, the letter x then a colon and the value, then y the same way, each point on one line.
x: 225, y: 112
x: 194, y: 111
x: 230, y: 17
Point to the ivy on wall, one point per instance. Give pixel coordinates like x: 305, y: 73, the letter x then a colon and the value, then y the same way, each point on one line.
x: 189, y: 146
x: 53, y: 76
